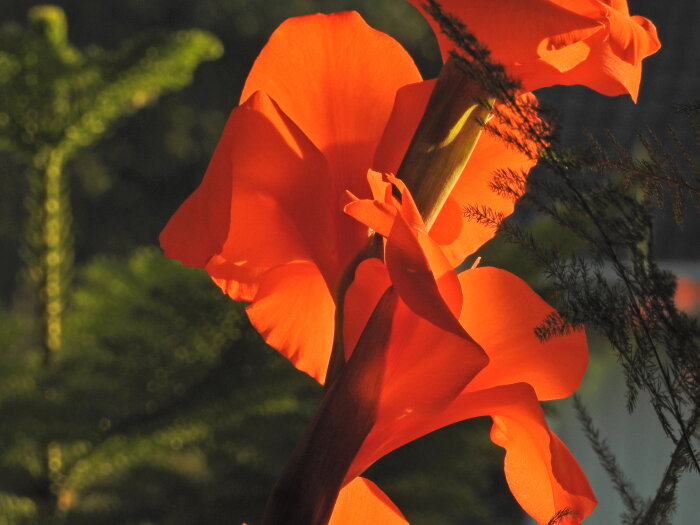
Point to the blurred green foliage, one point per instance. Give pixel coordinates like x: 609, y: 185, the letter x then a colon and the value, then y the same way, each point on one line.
x: 54, y: 96
x: 160, y: 404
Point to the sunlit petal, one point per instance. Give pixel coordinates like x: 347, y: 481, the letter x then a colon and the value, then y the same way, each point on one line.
x: 336, y: 78
x: 501, y: 315
x: 361, y: 502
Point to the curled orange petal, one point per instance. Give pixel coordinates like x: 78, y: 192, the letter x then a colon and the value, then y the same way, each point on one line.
x: 594, y: 43
x: 541, y: 472
x: 420, y: 272
x: 378, y: 213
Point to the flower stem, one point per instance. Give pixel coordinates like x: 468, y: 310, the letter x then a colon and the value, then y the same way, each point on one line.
x: 444, y: 141
x: 308, y: 488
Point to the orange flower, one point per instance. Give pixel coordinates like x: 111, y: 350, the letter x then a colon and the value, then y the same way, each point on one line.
x: 595, y: 43
x: 286, y: 204
x: 461, y: 347
x: 317, y: 111
x: 426, y: 348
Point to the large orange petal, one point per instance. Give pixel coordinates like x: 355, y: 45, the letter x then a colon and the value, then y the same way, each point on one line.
x: 541, y: 472
x: 501, y: 315
x: 264, y: 216
x: 336, y: 78
x: 457, y: 236
x: 289, y: 182
x: 361, y: 502
x: 424, y: 366
x: 263, y: 200
x: 294, y: 312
